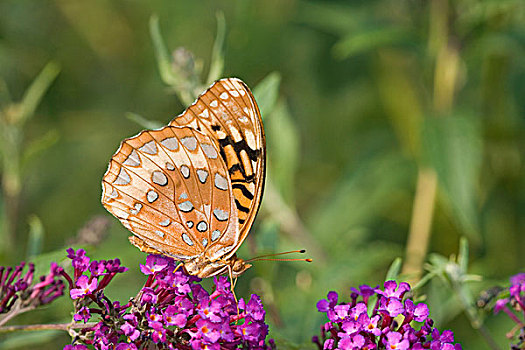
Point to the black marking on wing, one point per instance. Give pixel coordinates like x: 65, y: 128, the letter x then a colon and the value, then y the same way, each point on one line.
x: 237, y: 167
x: 238, y: 147
x: 244, y: 190
x: 240, y: 207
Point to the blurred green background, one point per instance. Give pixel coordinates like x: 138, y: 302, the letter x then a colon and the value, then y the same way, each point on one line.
x: 389, y: 123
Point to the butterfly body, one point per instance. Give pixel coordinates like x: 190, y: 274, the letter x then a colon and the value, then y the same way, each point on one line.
x: 191, y: 190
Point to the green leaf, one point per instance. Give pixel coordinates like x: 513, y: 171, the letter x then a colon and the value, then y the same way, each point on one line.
x: 36, y: 91
x: 161, y: 53
x: 360, y: 42
x: 142, y: 121
x: 330, y: 17
x: 372, y: 302
x: 424, y: 280
x: 266, y: 93
x: 453, y: 147
x: 283, y: 150
x: 393, y: 271
x: 217, y: 55
x: 36, y: 236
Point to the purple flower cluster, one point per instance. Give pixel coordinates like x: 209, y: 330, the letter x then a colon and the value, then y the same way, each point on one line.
x: 515, y: 301
x: 379, y: 319
x: 171, y: 311
x: 18, y: 294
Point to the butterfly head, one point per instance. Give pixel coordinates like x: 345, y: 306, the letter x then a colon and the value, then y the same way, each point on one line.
x: 238, y: 266
x: 202, y: 268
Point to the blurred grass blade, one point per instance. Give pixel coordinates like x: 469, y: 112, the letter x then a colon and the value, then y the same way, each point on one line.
x: 217, y: 55
x: 5, y: 96
x: 161, y: 53
x: 453, y: 147
x: 36, y: 236
x: 266, y: 93
x: 36, y: 147
x: 393, y: 271
x: 361, y: 42
x: 463, y: 255
x: 36, y: 91
x: 143, y: 122
x: 401, y: 97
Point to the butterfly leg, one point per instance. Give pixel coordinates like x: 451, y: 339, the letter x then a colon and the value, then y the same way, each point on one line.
x: 232, y: 286
x: 178, y: 267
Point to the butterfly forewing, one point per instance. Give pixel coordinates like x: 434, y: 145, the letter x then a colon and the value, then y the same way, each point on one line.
x: 171, y: 188
x: 228, y: 113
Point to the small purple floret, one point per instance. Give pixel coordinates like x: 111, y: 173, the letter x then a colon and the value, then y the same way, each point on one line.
x: 171, y: 309
x: 388, y: 323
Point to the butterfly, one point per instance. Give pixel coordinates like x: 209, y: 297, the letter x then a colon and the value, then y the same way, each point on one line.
x: 191, y: 190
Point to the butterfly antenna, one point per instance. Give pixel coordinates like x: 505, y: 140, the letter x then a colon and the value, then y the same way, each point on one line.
x: 307, y: 260
x: 262, y: 257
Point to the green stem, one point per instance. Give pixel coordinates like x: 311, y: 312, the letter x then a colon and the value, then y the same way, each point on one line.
x: 41, y: 327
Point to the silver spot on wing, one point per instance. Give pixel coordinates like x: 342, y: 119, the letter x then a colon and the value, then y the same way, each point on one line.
x: 170, y: 143
x: 185, y: 171
x: 186, y: 206
x: 136, y: 209
x: 220, y: 182
x: 202, y: 175
x: 187, y: 239
x: 152, y: 196
x: 165, y: 223
x: 133, y: 159
x: 221, y: 215
x: 202, y: 226
x: 123, y: 178
x: 190, y: 142
x: 209, y: 150
x: 159, y: 178
x: 149, y: 147
x: 215, y: 235
x: 113, y: 194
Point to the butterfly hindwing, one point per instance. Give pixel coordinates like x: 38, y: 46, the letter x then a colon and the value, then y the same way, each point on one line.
x: 171, y: 188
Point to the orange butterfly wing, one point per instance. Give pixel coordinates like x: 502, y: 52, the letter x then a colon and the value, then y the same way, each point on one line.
x: 192, y: 189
